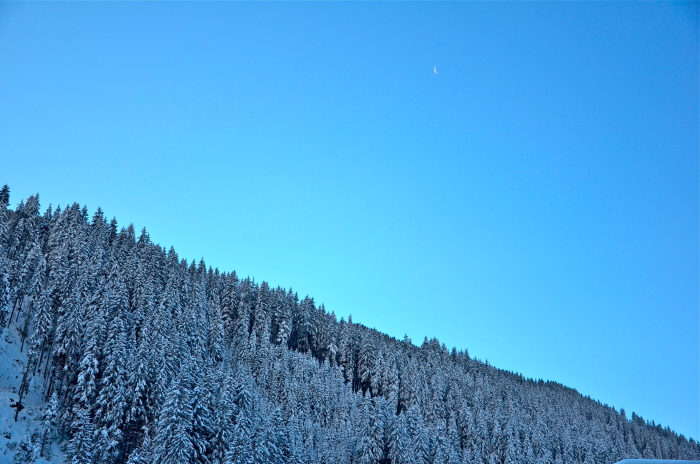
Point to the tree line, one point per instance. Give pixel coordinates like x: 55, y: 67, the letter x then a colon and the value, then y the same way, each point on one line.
x: 144, y: 357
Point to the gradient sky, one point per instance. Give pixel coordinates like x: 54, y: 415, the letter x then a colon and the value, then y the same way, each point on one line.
x: 536, y: 202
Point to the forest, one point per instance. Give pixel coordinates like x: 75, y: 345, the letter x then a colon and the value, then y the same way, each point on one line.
x: 135, y: 355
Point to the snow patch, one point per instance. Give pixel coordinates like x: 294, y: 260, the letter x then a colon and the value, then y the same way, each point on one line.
x: 20, y: 439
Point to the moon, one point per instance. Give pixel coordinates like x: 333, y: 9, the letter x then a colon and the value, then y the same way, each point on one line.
x: 435, y: 69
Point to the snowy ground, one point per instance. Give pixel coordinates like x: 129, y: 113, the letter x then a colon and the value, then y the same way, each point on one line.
x: 655, y: 461
x: 15, y: 436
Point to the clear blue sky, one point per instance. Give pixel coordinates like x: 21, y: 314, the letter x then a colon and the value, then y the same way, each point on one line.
x: 536, y: 202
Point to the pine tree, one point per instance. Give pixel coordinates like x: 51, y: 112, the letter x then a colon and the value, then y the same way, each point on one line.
x: 81, y: 446
x: 202, y: 429
x: 303, y: 325
x: 282, y: 315
x: 401, y: 449
x: 368, y: 449
x: 417, y: 434
x: 173, y: 444
x: 113, y: 399
x: 242, y: 449
x: 49, y: 423
x: 367, y: 364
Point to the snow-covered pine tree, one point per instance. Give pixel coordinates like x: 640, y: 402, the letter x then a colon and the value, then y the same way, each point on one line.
x: 173, y: 443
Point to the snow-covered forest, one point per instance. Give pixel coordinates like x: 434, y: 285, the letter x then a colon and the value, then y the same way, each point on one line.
x: 135, y: 355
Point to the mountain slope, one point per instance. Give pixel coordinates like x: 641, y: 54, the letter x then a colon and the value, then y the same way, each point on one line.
x: 149, y: 359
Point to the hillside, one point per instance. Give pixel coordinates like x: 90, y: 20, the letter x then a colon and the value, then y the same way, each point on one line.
x: 129, y: 354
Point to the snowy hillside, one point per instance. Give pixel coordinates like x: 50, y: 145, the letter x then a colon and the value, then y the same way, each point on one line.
x: 122, y: 352
x: 22, y: 432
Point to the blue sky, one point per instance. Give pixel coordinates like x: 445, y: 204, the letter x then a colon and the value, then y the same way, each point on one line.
x: 535, y: 202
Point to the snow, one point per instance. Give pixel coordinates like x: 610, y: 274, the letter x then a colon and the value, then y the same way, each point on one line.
x: 28, y: 422
x: 655, y: 461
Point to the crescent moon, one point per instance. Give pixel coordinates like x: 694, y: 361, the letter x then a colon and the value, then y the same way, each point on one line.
x: 435, y: 69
